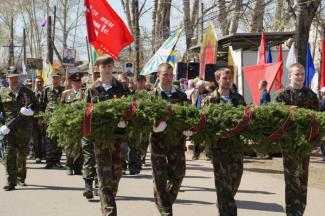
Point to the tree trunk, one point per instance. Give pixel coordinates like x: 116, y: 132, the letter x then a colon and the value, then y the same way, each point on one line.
x: 222, y: 17
x: 278, y: 22
x: 136, y: 33
x: 154, y: 26
x: 258, y: 16
x: 305, y: 13
x: 187, y: 23
x: 163, y: 21
x: 65, y: 16
x: 235, y: 16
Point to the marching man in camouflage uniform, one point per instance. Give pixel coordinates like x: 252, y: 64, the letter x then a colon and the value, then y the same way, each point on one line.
x: 168, y: 161
x: 38, y: 125
x: 52, y: 97
x: 296, y: 170
x: 74, y: 162
x: 16, y: 103
x: 228, y: 167
x: 109, y: 161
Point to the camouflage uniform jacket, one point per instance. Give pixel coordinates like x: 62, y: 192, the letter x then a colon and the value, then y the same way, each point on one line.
x: 215, y: 98
x: 52, y: 97
x: 40, y: 98
x: 175, y: 96
x: 303, y: 98
x: 98, y: 93
x: 11, y: 103
x: 71, y: 95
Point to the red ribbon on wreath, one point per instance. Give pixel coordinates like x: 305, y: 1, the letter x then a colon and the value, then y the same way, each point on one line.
x: 132, y: 109
x: 314, y: 131
x: 279, y: 133
x: 87, y: 120
x: 248, y: 115
x: 201, y: 124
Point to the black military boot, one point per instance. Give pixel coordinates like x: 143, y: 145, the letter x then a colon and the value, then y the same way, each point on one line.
x: 88, y: 192
x: 69, y: 171
x: 96, y: 193
x: 9, y: 187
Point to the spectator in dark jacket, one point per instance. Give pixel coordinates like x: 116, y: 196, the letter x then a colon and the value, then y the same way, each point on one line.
x: 265, y: 95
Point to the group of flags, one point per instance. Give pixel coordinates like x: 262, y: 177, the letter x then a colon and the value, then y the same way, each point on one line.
x: 108, y: 34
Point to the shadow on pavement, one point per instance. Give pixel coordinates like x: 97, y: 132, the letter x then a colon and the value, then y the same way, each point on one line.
x: 255, y: 192
x: 193, y: 188
x: 46, y: 187
x: 260, y: 170
x: 151, y: 199
x: 272, y: 207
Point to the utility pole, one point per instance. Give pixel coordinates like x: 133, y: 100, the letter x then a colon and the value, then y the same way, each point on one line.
x: 11, y: 46
x: 24, y: 47
x: 49, y: 41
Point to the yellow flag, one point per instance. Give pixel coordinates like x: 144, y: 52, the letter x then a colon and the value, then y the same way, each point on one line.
x: 208, y: 49
x: 232, y: 64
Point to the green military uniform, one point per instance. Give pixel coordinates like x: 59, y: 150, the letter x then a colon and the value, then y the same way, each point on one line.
x: 168, y: 161
x: 52, y: 97
x: 73, y: 162
x: 16, y: 142
x: 38, y: 129
x: 109, y: 161
x: 295, y: 170
x: 228, y: 167
x: 136, y: 149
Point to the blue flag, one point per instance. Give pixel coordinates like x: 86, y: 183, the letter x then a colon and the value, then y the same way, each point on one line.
x: 165, y: 54
x: 310, y: 68
x: 269, y: 56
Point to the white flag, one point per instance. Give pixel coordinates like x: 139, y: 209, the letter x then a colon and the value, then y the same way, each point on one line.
x: 291, y: 58
x: 24, y: 67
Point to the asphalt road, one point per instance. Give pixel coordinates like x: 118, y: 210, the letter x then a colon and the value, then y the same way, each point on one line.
x: 53, y: 193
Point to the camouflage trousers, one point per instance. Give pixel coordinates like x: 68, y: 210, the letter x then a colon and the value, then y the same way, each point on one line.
x: 168, y: 167
x: 109, y: 170
x: 53, y: 151
x: 134, y: 156
x: 144, y: 143
x: 38, y: 137
x: 296, y: 183
x: 74, y: 160
x: 16, y: 150
x: 228, y: 170
x: 89, y: 162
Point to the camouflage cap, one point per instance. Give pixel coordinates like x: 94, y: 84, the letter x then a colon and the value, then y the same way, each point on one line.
x: 76, y: 77
x: 12, y: 72
x: 56, y: 73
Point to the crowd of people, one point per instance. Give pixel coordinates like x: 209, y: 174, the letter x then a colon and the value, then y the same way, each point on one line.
x: 102, y: 168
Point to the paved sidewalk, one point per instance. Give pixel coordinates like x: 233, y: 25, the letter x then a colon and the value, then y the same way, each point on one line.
x: 53, y: 193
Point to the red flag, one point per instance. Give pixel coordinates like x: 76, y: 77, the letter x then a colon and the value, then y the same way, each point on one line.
x: 106, y: 30
x: 278, y: 78
x: 322, y: 76
x: 255, y: 73
x: 262, y: 51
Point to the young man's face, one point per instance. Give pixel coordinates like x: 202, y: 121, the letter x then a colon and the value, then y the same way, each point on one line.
x: 297, y: 76
x: 39, y: 83
x: 14, y: 82
x: 56, y: 81
x: 166, y: 75
x: 105, y: 70
x: 224, y: 81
